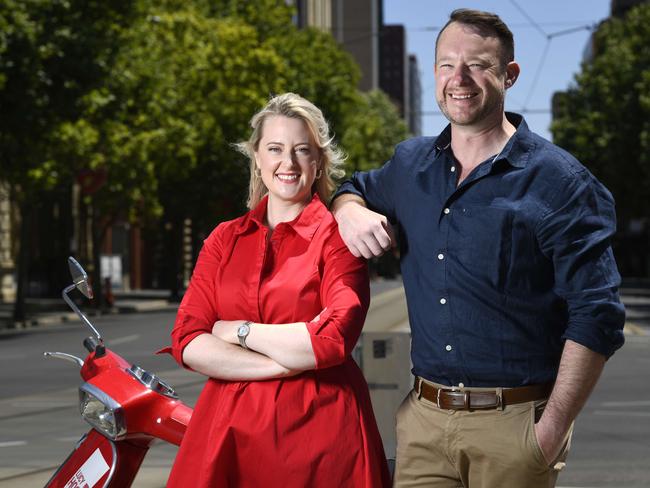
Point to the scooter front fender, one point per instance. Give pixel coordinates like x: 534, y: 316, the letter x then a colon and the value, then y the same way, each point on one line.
x: 98, y: 462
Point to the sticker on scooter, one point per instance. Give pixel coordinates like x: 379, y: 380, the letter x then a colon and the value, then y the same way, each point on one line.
x: 90, y: 472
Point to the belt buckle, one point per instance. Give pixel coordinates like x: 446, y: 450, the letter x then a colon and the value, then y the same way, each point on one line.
x: 438, y: 390
x: 499, y: 396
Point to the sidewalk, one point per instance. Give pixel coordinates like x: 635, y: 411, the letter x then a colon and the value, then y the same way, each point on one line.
x: 44, y: 312
x: 637, y: 306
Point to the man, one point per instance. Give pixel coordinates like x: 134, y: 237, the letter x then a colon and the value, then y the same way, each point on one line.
x: 509, y: 276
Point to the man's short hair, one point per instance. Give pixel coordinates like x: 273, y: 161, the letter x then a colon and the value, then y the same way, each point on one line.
x: 486, y: 23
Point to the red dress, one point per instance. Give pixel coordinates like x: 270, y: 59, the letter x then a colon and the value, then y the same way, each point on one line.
x: 316, y: 429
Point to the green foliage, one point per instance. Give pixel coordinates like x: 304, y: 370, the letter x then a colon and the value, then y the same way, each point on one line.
x: 605, y: 118
x: 148, y: 98
x: 268, y: 17
x: 372, y: 131
x: 51, y: 54
x: 317, y: 68
x: 185, y: 82
x: 154, y: 94
x: 183, y: 86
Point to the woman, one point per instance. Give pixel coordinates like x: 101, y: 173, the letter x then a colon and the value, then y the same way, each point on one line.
x: 274, y: 308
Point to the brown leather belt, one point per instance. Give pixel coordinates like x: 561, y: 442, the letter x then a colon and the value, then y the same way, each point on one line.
x: 462, y: 399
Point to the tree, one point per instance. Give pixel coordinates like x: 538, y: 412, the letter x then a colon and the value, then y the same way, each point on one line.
x: 372, y: 132
x: 196, y: 74
x: 186, y: 80
x: 317, y: 68
x: 146, y: 99
x: 51, y: 54
x: 604, y: 119
x: 182, y: 88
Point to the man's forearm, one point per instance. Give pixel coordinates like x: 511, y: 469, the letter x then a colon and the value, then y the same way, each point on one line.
x: 344, y: 199
x: 366, y: 233
x: 579, y: 371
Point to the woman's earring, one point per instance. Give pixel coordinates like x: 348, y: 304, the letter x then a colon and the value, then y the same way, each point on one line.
x: 319, y: 174
x: 257, y: 172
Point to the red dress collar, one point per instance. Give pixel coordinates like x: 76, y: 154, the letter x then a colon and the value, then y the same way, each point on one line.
x: 305, y: 224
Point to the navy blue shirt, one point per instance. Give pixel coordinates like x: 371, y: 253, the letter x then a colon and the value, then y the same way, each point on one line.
x: 501, y: 269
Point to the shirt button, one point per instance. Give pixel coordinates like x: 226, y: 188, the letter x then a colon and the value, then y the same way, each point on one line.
x: 443, y: 301
x: 453, y: 168
x: 448, y: 347
x: 441, y: 256
x: 446, y: 211
x: 461, y: 385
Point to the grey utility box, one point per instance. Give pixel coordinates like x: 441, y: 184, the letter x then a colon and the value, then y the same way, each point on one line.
x: 383, y: 354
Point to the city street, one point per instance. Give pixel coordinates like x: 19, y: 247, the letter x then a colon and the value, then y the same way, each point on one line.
x: 40, y: 422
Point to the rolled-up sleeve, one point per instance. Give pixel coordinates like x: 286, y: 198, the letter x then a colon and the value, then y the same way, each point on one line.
x: 197, y: 312
x: 576, y: 235
x: 345, y: 294
x: 375, y: 187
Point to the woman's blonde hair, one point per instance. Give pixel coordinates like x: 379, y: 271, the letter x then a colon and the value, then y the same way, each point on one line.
x: 296, y: 107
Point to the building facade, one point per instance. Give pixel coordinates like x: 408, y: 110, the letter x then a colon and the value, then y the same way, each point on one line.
x: 380, y: 50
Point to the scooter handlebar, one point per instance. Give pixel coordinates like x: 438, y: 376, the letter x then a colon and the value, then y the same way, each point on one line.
x: 93, y: 345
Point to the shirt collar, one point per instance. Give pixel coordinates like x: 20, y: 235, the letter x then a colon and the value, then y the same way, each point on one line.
x: 305, y: 224
x: 515, y: 152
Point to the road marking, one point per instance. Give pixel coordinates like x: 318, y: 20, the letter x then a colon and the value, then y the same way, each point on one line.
x: 620, y: 413
x: 12, y: 443
x: 633, y: 403
x: 38, y: 403
x: 69, y: 438
x: 12, y: 357
x: 125, y: 339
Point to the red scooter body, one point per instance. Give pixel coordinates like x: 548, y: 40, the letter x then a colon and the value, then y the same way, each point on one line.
x: 128, y: 408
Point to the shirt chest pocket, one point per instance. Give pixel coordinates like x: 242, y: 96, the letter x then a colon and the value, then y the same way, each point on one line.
x: 482, y: 240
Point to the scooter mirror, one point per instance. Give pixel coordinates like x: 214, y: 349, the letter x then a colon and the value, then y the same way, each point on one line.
x: 80, y: 278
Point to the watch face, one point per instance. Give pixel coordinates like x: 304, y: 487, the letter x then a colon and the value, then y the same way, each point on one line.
x: 243, y: 330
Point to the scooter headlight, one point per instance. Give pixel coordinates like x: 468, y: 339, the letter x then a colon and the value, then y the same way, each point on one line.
x: 101, y: 411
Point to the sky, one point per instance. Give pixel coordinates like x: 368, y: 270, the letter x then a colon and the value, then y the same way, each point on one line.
x: 546, y: 66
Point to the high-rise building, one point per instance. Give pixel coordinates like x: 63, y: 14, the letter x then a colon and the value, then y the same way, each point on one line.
x: 393, y: 66
x: 355, y: 24
x: 414, y: 119
x: 379, y: 50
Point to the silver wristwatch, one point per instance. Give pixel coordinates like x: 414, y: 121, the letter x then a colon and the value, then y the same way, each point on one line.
x: 242, y: 333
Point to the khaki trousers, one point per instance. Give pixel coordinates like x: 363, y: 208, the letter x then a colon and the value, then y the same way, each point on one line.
x: 472, y: 449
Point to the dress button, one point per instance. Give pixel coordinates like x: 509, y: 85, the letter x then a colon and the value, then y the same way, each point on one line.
x: 448, y: 347
x: 446, y: 211
x: 441, y: 256
x: 443, y: 301
x: 453, y: 168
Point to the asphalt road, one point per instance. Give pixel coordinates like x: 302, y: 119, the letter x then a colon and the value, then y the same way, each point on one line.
x: 39, y: 419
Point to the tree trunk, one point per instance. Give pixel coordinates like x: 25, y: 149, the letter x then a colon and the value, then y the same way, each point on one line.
x: 174, y: 253
x: 20, y: 313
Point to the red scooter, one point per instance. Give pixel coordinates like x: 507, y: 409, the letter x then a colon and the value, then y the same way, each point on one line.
x: 127, y: 407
